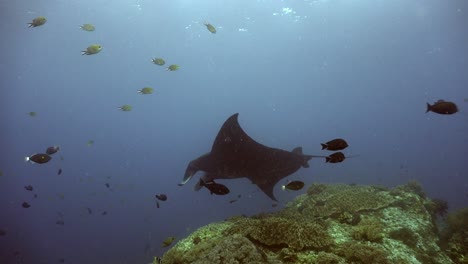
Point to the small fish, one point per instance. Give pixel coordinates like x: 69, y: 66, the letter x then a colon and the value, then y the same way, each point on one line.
x: 157, y: 260
x: 210, y: 28
x: 38, y: 21
x: 87, y: 27
x: 40, y: 158
x: 28, y: 188
x: 32, y: 114
x: 168, y: 241
x: 216, y: 188
x: 157, y: 204
x: 2, y: 232
x: 442, y: 107
x: 61, y: 260
x: 26, y: 205
x: 90, y: 143
x: 274, y: 205
x: 89, y: 210
x: 338, y: 157
x: 161, y: 197
x: 233, y: 201
x: 104, y: 213
x: 335, y: 157
x: 146, y: 90
x: 335, y: 144
x: 35, y: 195
x: 158, y: 61
x: 294, y: 186
x: 59, y: 172
x: 173, y: 67
x: 60, y: 222
x: 465, y: 100
x: 125, y: 108
x: 52, y: 150
x: 107, y: 185
x: 1, y: 173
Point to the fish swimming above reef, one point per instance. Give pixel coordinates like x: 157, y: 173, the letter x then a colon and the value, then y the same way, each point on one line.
x: 168, y: 241
x: 234, y: 155
x: 52, y: 150
x: 214, y: 187
x: 337, y: 157
x: 442, y: 107
x: 335, y: 144
x: 161, y: 197
x: 293, y: 186
x: 40, y: 158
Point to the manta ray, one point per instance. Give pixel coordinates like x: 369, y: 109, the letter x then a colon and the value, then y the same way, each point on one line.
x: 236, y: 155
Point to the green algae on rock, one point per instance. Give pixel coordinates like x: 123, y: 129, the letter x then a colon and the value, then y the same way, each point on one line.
x: 355, y: 224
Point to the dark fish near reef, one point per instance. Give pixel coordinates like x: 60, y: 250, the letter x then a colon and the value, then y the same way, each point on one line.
x: 157, y: 260
x: 59, y: 172
x: 26, y: 205
x: 335, y: 144
x: 28, y: 188
x: 38, y: 158
x: 442, y: 107
x: 294, y: 186
x: 335, y: 157
x: 168, y: 241
x: 338, y: 157
x: 234, y: 155
x: 52, y: 150
x: 161, y: 197
x: 214, y: 187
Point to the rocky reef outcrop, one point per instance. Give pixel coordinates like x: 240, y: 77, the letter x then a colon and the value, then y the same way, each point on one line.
x: 332, y: 224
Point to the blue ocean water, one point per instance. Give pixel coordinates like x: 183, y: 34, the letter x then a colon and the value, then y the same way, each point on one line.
x: 299, y: 73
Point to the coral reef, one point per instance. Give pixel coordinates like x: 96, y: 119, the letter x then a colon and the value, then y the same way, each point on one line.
x: 455, y: 236
x: 332, y: 224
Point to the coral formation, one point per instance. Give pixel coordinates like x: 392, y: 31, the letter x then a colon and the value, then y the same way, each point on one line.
x: 370, y: 229
x: 362, y: 253
x: 455, y: 236
x: 405, y: 235
x: 282, y: 232
x: 331, y: 224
